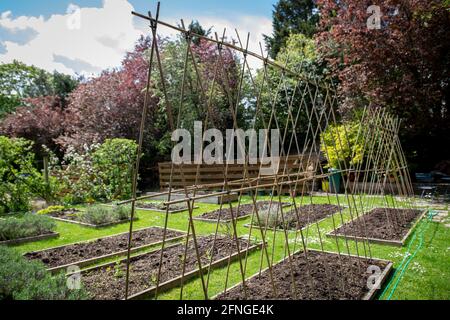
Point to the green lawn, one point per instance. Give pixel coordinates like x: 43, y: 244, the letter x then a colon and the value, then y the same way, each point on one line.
x: 427, y: 276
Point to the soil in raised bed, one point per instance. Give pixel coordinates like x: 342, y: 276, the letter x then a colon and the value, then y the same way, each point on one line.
x: 108, y: 282
x: 244, y: 210
x: 381, y: 223
x: 305, y: 215
x: 73, y: 253
x: 321, y: 276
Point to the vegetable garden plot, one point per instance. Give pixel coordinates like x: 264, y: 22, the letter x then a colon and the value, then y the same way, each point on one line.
x: 108, y: 281
x: 310, y: 129
x: 295, y: 220
x: 382, y: 225
x: 319, y: 276
x: 90, y: 252
x: 245, y: 210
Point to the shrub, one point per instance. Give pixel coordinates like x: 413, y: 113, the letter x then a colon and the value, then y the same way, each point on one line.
x: 16, y: 173
x: 342, y: 145
x: 113, y: 162
x: 29, y: 280
x: 99, y: 215
x: 50, y: 209
x: 99, y: 172
x: 271, y: 218
x: 27, y: 226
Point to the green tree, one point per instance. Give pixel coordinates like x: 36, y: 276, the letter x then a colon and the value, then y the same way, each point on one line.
x: 291, y: 16
x: 19, y: 81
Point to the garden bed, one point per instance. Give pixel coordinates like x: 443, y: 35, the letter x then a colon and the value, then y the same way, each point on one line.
x: 381, y: 225
x: 321, y: 277
x: 245, y: 210
x: 108, y: 281
x: 27, y: 228
x: 295, y: 220
x: 74, y: 216
x: 92, y: 251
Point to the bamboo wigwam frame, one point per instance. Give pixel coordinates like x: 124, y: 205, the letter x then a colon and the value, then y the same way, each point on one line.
x: 384, y: 165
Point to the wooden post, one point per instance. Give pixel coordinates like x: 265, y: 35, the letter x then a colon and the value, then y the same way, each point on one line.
x: 46, y: 170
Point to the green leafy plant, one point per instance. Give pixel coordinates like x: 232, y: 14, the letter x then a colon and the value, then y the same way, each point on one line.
x: 50, y: 209
x: 342, y: 145
x: 271, y: 218
x: 98, y: 172
x: 29, y: 280
x: 99, y: 215
x: 20, y: 179
x: 118, y: 273
x: 114, y: 161
x: 27, y: 226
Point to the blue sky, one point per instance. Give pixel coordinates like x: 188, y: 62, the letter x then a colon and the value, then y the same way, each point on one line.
x: 202, y: 7
x: 87, y: 36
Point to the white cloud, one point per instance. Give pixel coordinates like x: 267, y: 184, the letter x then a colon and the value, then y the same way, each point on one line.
x: 88, y: 40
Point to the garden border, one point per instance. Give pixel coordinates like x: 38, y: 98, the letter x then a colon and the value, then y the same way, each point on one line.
x: 92, y: 261
x: 368, y: 296
x: 398, y: 243
x: 45, y: 236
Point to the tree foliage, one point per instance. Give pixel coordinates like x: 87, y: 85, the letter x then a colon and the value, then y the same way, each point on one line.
x: 291, y: 16
x: 19, y: 81
x: 403, y: 66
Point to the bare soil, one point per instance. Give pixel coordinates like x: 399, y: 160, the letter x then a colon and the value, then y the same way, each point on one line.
x: 381, y: 223
x: 108, y: 283
x: 322, y: 276
x: 244, y: 210
x: 304, y: 216
x: 73, y: 253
